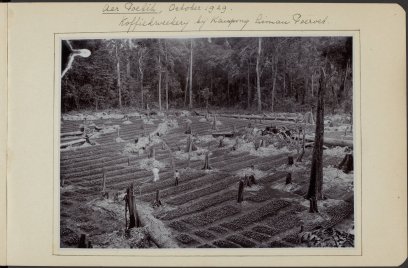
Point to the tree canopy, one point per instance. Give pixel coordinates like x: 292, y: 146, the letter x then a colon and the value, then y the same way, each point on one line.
x: 212, y: 72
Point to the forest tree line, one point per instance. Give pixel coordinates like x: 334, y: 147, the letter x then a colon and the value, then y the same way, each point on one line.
x: 253, y: 73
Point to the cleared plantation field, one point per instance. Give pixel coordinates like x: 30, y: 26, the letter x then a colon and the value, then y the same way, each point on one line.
x: 202, y: 210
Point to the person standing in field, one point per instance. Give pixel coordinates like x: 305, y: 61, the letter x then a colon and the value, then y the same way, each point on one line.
x: 176, y: 177
x: 155, y: 174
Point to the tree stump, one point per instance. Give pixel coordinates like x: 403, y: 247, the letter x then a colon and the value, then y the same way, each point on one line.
x: 157, y: 202
x: 190, y: 145
x: 82, y: 241
x: 89, y: 244
x: 152, y: 152
x: 128, y: 161
x: 236, y: 144
x: 214, y: 124
x: 347, y: 163
x: 251, y: 179
x: 289, y: 178
x: 221, y: 144
x: 206, y: 163
x: 290, y: 160
x: 130, y: 205
x: 188, y: 128
x: 246, y: 181
x: 103, y: 181
x: 240, y: 192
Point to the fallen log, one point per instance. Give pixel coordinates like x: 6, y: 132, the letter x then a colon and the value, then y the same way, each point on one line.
x: 69, y: 138
x: 73, y: 133
x: 259, y: 117
x: 228, y: 134
x: 71, y: 143
x: 330, y: 142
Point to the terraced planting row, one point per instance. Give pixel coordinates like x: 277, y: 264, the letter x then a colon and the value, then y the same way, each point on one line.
x: 202, y: 210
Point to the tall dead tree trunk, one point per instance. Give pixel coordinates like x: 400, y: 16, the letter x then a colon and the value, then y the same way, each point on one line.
x: 258, y: 74
x: 130, y: 204
x: 190, y: 104
x: 118, y: 76
x: 316, y: 175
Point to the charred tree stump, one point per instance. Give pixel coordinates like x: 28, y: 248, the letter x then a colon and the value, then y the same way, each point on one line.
x: 128, y: 161
x: 82, y: 241
x: 190, y: 145
x: 313, y: 205
x: 214, y: 124
x: 246, y: 181
x: 104, y: 182
x: 188, y: 128
x: 289, y: 178
x: 290, y: 160
x: 130, y: 205
x: 221, y: 144
x: 157, y: 202
x: 236, y: 144
x: 152, y: 153
x: 251, y: 179
x: 240, y: 192
x: 347, y: 163
x: 302, y: 153
x: 206, y: 163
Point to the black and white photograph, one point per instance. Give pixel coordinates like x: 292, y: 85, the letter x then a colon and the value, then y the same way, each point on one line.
x: 206, y: 142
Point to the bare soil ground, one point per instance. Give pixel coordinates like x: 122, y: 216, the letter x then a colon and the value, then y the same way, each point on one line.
x: 202, y: 210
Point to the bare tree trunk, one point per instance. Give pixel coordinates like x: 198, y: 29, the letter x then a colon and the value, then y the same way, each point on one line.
x: 186, y: 88
x: 141, y: 80
x: 316, y: 175
x: 228, y: 91
x: 167, y: 78
x: 160, y: 74
x: 304, y: 89
x: 190, y: 105
x: 118, y: 76
x: 258, y: 75
x: 312, y: 88
x: 284, y: 78
x: 128, y: 67
x: 248, y: 88
x: 274, y: 83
